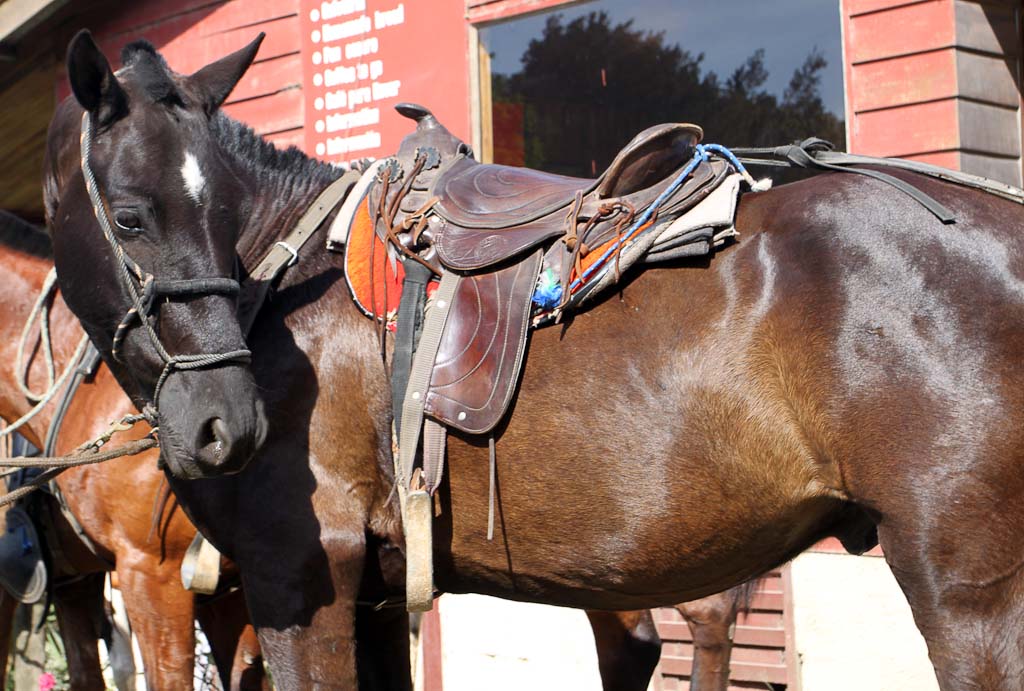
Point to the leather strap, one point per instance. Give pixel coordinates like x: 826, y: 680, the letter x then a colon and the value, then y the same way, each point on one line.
x: 806, y: 155
x: 419, y: 378
x: 286, y: 252
x: 86, y: 368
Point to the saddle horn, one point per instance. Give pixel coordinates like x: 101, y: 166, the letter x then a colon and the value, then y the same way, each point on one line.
x: 429, y: 133
x: 423, y: 117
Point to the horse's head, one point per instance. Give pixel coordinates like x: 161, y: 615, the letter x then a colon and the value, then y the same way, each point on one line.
x: 144, y: 241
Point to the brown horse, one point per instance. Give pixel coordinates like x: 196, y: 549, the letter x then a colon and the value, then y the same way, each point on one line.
x: 115, y: 504
x: 849, y: 364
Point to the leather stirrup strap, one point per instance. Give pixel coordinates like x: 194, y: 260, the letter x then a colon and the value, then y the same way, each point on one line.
x: 419, y: 378
x: 416, y: 503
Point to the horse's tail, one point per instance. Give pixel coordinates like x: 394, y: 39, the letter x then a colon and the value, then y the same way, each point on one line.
x: 743, y: 594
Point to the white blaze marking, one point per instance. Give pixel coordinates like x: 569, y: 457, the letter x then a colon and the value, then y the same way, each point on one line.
x: 194, y: 180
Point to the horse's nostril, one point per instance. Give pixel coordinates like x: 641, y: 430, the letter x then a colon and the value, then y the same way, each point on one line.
x: 219, y: 438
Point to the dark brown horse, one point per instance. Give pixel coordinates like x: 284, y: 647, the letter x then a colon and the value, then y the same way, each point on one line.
x: 115, y: 504
x: 849, y: 364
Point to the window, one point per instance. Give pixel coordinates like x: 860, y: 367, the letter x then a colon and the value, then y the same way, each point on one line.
x: 564, y: 90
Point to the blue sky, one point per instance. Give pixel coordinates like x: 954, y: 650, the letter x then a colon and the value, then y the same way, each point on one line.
x: 726, y: 31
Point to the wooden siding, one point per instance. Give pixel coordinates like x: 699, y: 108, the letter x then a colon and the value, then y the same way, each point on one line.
x: 760, y: 653
x: 193, y: 33
x: 935, y: 81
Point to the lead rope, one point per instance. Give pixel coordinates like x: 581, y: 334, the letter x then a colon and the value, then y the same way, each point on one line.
x: 87, y: 454
x: 41, y: 312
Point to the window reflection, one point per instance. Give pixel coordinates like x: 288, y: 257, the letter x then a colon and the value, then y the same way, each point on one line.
x: 588, y: 78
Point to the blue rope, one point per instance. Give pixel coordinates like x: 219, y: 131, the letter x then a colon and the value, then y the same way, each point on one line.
x: 702, y: 153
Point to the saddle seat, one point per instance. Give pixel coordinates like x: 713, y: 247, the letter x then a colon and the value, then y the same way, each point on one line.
x: 493, y: 212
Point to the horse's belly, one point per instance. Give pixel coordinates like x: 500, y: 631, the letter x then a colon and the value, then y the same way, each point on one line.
x: 615, y: 518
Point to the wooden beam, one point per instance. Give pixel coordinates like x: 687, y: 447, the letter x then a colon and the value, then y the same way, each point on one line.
x: 19, y: 16
x: 482, y: 11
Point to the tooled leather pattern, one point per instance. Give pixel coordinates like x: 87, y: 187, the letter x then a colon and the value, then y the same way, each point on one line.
x: 467, y: 248
x: 477, y: 364
x: 496, y: 196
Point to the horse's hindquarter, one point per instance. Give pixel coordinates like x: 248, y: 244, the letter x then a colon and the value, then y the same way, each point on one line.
x: 708, y: 424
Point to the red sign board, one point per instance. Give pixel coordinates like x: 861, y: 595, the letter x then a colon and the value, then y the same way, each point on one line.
x: 361, y: 57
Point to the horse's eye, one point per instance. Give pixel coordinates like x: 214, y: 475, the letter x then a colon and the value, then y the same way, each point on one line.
x: 128, y: 220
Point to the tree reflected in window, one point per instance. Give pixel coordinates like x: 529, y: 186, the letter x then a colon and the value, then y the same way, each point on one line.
x: 587, y: 85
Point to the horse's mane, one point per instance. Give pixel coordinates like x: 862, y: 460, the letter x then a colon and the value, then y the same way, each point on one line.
x: 288, y: 167
x: 22, y: 236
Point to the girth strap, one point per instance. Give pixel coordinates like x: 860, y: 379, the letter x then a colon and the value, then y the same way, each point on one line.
x: 407, y: 333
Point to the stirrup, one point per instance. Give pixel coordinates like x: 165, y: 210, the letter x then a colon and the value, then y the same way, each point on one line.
x: 419, y: 551
x: 200, y: 569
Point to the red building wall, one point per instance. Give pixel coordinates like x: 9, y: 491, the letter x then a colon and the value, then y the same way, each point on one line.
x: 936, y: 81
x: 426, y: 52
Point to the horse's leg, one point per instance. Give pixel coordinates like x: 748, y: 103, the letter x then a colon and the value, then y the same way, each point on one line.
x: 304, y: 609
x: 8, y: 605
x: 964, y: 586
x: 161, y: 613
x: 382, y: 656
x: 628, y: 648
x: 712, y: 622
x: 79, y: 606
x: 236, y: 649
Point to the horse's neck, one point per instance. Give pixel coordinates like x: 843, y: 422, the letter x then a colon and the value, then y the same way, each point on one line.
x: 20, y: 283
x: 274, y: 208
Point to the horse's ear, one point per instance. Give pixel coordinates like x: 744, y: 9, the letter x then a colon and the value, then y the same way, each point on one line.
x: 93, y: 82
x: 215, y: 81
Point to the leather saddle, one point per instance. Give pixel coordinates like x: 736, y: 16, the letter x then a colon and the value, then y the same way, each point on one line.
x: 487, y: 213
x: 498, y: 227
x: 495, y: 235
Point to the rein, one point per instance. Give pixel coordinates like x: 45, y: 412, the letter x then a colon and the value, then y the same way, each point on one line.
x: 143, y: 297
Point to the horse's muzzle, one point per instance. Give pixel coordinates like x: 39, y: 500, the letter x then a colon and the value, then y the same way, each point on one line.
x: 212, y: 421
